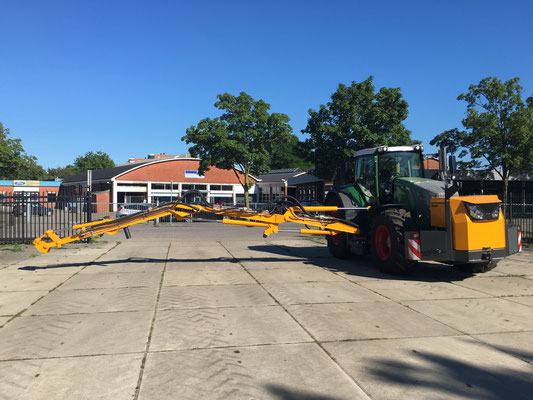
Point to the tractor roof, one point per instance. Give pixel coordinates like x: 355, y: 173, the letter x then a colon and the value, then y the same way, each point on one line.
x: 385, y: 149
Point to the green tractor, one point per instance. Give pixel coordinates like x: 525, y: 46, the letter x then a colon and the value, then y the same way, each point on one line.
x: 403, y: 217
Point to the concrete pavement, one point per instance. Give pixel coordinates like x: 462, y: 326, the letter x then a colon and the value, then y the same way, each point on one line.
x: 203, y: 311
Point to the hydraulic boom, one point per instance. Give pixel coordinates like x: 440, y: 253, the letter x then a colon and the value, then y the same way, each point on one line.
x: 270, y: 220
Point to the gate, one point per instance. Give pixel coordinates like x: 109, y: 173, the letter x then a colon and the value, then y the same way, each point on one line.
x: 24, y: 217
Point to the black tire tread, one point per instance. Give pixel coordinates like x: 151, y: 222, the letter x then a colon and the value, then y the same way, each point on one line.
x: 338, y: 251
x: 400, y: 219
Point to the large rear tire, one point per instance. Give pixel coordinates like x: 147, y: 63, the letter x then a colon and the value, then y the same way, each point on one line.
x: 387, y: 241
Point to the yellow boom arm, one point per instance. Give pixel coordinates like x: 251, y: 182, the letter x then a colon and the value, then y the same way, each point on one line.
x: 322, y: 225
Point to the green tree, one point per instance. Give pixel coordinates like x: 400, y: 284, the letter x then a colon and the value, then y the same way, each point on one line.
x: 498, y: 128
x: 14, y: 162
x: 241, y: 139
x: 61, y: 172
x: 90, y: 160
x: 356, y: 118
x: 289, y: 154
x: 450, y: 139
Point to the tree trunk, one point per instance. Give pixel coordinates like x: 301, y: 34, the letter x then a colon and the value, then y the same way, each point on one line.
x: 246, y: 199
x: 246, y: 188
x: 505, y: 196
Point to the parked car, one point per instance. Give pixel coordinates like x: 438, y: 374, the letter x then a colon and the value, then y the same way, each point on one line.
x: 35, y: 208
x: 132, y: 208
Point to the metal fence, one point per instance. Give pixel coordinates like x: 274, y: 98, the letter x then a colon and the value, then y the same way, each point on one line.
x: 519, y: 211
x: 113, y: 210
x: 25, y: 217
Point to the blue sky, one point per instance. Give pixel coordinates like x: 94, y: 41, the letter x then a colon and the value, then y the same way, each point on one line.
x: 128, y: 77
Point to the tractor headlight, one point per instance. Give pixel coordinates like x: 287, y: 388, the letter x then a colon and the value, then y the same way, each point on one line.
x: 483, y: 212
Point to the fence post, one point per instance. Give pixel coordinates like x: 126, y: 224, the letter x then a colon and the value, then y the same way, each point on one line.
x: 21, y: 221
x: 511, y: 205
x: 88, y: 209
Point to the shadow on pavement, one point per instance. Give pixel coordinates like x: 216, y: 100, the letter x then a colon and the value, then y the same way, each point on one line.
x: 141, y: 260
x: 450, y: 377
x: 284, y: 393
x: 312, y: 256
x: 363, y: 266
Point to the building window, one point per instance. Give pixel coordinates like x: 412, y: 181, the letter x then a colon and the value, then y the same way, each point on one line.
x: 51, y: 197
x: 164, y: 186
x: 191, y: 187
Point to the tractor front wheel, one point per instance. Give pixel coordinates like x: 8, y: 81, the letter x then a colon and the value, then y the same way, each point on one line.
x: 338, y: 243
x: 387, y: 241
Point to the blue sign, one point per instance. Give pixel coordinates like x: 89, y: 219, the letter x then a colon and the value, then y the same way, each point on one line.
x: 192, y: 174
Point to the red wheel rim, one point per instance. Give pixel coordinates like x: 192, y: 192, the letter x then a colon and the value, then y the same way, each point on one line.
x: 336, y: 239
x: 382, y: 243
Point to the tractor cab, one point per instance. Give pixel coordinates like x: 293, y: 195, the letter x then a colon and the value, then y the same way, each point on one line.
x: 377, y: 169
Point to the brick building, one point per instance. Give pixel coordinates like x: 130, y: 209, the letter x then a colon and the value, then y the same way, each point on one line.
x: 24, y: 188
x: 158, y: 179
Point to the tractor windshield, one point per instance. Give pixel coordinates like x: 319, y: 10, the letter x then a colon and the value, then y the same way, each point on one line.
x: 395, y: 165
x: 401, y: 163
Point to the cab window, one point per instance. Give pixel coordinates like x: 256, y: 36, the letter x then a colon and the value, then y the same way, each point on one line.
x: 366, y: 175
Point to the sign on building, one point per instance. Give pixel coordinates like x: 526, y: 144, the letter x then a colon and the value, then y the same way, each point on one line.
x: 193, y: 174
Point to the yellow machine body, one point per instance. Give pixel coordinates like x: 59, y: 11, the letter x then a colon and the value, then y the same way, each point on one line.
x: 469, y: 234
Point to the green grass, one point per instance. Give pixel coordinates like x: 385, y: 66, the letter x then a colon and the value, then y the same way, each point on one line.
x: 17, y: 249
x: 12, y: 247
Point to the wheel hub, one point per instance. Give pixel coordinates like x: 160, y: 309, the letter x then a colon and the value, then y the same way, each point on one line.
x: 382, y: 242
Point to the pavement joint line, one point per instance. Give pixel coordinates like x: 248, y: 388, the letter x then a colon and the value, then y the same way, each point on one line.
x: 72, y: 356
x: 53, y: 289
x: 503, y: 297
x: 393, y: 338
x: 214, y: 284
x: 84, y: 313
x: 268, y: 305
x: 255, y: 345
x: 517, y: 302
x: 498, y: 349
x: 152, y: 325
x: 233, y: 346
x: 347, y: 375
x: 95, y: 288
x: 444, y: 299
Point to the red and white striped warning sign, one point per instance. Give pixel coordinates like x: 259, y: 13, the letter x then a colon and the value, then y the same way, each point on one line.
x: 413, y: 249
x: 519, y: 240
